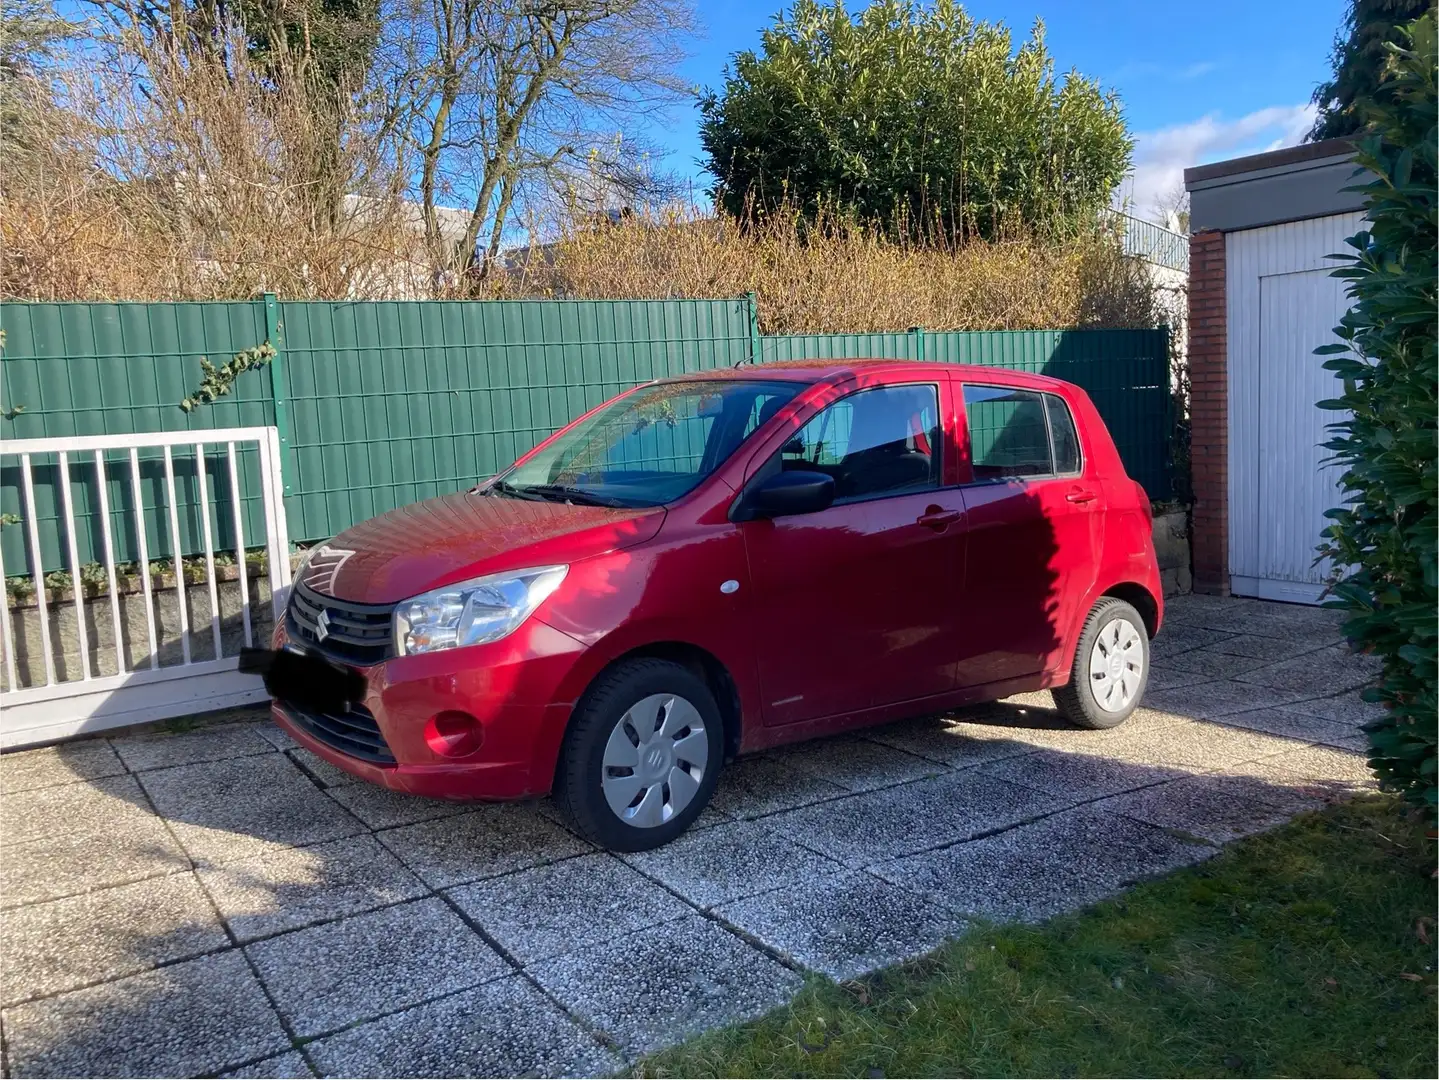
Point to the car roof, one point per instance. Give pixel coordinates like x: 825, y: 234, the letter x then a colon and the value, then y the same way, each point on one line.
x: 818, y: 371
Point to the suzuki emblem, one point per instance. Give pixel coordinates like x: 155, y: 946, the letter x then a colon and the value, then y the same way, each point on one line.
x: 322, y: 625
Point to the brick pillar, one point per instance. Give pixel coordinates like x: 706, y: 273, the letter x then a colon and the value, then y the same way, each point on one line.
x: 1209, y: 412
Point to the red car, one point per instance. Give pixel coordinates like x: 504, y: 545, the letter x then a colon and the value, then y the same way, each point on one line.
x: 715, y: 564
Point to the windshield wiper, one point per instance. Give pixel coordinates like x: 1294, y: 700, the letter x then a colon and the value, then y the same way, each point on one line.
x: 567, y: 494
x: 504, y: 487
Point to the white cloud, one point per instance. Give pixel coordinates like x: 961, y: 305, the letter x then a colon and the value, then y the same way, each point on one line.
x: 1161, y: 156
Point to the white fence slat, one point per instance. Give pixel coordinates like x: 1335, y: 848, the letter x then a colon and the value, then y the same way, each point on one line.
x: 204, y: 490
x: 175, y: 549
x: 239, y: 508
x: 12, y: 673
x: 144, y: 552
x: 103, y: 486
x: 77, y: 586
x: 27, y: 478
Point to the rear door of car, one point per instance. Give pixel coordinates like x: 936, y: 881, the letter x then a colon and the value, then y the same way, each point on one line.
x: 1032, y: 509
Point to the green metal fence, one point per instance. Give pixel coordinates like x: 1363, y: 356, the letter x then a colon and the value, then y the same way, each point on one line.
x: 1125, y: 373
x: 379, y: 404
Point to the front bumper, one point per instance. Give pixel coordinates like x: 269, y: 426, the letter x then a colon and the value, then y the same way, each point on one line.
x: 511, y: 687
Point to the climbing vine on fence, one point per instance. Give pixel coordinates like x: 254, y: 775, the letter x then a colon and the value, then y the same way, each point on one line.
x: 216, y: 382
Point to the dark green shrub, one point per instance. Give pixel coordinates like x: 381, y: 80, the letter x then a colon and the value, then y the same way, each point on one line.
x: 1384, y: 545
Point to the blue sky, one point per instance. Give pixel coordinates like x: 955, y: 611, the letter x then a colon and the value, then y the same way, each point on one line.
x: 1201, y: 80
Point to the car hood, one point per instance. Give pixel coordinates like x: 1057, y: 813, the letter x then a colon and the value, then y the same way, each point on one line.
x: 455, y: 537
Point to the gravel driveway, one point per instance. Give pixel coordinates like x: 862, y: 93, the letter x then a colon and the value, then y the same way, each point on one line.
x: 222, y: 902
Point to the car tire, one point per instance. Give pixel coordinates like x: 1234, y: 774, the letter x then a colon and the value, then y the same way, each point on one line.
x: 627, y: 772
x: 1110, y: 670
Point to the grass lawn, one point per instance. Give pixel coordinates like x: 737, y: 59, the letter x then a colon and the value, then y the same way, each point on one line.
x: 1304, y: 952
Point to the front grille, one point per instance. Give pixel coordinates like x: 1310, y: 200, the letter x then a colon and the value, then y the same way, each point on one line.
x: 357, y: 633
x: 353, y: 732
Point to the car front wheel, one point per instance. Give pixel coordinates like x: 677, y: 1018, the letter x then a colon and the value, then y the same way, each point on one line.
x: 1111, y: 667
x: 641, y: 756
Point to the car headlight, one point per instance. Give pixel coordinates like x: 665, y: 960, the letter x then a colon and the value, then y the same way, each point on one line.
x: 473, y: 612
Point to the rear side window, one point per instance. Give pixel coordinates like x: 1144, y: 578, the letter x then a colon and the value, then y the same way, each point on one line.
x: 1019, y: 433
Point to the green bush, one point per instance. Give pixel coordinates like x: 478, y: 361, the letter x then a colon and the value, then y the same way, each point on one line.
x: 1384, y: 544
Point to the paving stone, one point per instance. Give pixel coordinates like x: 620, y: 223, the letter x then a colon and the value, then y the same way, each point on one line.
x: 844, y: 925
x: 228, y: 811
x: 1020, y: 875
x: 864, y: 829
x: 754, y: 786
x: 548, y: 910
x: 1297, y: 726
x: 957, y: 745
x: 1193, y: 747
x: 857, y: 764
x: 97, y: 807
x: 1205, y: 701
x: 1053, y: 732
x: 1165, y: 679
x: 381, y: 808
x: 1178, y: 638
x: 1318, y: 674
x: 63, y: 865
x: 327, y: 775
x: 48, y: 766
x: 1076, y: 777
x: 730, y: 861
x: 1349, y: 709
x: 289, y: 1066
x: 1220, y: 808
x: 210, y: 742
x: 1339, y: 772
x: 333, y: 975
x: 294, y: 887
x: 65, y: 944
x: 1212, y: 665
x: 276, y: 736
x: 1264, y: 648
x: 493, y: 840
x: 1199, y: 610
x: 504, y: 1028
x: 638, y: 990
x: 187, y: 1019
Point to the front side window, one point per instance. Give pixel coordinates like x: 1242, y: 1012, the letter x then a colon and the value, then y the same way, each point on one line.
x: 649, y: 447
x: 1019, y: 433
x: 876, y: 442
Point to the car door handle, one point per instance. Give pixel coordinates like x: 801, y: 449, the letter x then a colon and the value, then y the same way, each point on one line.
x: 938, y: 519
x: 1081, y: 496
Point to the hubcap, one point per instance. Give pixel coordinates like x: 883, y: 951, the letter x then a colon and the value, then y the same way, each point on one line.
x: 1116, y: 665
x: 654, y: 760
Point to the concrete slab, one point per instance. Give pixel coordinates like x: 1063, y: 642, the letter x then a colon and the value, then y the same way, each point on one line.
x: 1339, y: 772
x: 730, y: 861
x: 1297, y: 726
x: 95, y: 808
x: 207, y: 742
x: 1165, y: 679
x: 295, y: 887
x: 1212, y: 665
x: 1349, y: 709
x: 754, y: 786
x: 273, y: 734
x: 504, y: 1028
x: 49, y: 766
x: 548, y: 910
x: 188, y: 1019
x: 1016, y: 875
x: 66, y: 944
x: 1218, y: 808
x: 880, y: 825
x: 1318, y: 674
x: 1205, y: 701
x: 493, y: 840
x: 1268, y: 649
x: 857, y: 764
x: 1078, y: 778
x: 228, y: 811
x: 1194, y: 747
x: 289, y: 1066
x: 337, y: 974
x: 381, y: 808
x: 320, y: 770
x: 844, y: 925
x: 653, y: 988
x: 52, y: 867
x: 1178, y: 638
x: 958, y: 745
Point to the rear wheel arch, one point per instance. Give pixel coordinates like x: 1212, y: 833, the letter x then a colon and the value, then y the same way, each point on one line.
x: 1141, y: 600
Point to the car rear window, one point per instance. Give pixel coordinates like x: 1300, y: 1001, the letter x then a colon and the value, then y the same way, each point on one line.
x: 1019, y: 433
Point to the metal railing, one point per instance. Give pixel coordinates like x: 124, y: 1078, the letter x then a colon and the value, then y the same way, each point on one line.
x: 1150, y: 242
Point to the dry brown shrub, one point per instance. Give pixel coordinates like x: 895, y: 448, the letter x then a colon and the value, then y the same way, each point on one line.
x: 841, y: 278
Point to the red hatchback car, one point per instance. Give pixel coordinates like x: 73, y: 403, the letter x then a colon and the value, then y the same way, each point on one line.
x: 719, y: 563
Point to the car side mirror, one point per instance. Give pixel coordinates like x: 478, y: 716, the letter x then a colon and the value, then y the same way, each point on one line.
x: 799, y: 491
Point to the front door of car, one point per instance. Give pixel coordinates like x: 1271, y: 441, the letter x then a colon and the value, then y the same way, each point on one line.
x: 853, y: 606
x: 1033, y: 532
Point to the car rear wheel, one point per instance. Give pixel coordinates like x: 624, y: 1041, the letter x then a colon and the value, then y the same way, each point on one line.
x: 1111, y: 667
x: 641, y: 756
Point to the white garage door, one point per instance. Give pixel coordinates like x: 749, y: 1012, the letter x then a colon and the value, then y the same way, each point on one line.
x: 1282, y: 304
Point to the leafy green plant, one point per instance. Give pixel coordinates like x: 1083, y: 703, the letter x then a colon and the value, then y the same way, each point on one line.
x: 216, y: 382
x: 1383, y: 545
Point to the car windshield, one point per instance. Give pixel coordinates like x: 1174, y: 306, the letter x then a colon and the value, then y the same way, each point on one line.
x: 649, y: 447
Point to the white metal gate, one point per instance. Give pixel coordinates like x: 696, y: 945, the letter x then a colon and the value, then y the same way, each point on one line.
x: 1282, y: 304
x: 136, y: 649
